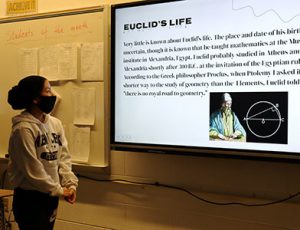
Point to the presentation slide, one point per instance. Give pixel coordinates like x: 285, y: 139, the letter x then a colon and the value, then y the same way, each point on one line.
x: 208, y: 73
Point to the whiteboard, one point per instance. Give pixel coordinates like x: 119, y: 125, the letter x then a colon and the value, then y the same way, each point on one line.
x: 88, y: 25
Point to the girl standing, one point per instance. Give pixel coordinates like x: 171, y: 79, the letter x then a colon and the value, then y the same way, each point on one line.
x: 39, y: 162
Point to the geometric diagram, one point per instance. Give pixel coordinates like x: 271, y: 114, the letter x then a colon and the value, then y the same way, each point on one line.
x: 263, y: 119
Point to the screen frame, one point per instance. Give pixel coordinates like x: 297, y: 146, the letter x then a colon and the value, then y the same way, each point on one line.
x: 261, y: 155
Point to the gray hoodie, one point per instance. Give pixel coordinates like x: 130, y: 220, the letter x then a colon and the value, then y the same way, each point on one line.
x: 39, y: 156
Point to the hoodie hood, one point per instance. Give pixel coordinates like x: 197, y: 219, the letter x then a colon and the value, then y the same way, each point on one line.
x: 28, y: 117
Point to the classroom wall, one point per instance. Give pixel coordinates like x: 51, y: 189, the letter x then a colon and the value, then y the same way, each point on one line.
x: 115, y: 205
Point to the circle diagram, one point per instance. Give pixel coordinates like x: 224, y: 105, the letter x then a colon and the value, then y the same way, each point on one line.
x: 264, y: 119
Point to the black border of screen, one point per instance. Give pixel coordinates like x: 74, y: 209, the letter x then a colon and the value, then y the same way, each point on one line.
x: 261, y: 155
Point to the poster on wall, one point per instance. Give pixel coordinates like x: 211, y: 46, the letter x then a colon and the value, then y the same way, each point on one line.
x: 21, y: 7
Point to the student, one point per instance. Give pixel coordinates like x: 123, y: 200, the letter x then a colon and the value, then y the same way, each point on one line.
x: 40, y: 165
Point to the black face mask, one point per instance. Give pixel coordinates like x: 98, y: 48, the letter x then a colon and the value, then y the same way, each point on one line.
x: 47, y: 103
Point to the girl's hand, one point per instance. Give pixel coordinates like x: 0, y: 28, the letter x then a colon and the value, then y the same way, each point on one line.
x: 70, y: 195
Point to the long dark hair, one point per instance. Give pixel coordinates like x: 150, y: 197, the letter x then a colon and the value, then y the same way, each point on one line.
x: 22, y: 95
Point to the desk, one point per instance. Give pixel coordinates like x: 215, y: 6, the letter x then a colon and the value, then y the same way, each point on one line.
x: 3, y: 193
x: 242, y: 139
